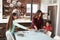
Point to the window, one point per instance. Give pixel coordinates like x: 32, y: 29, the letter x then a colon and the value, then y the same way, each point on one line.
x: 28, y: 8
x: 34, y: 8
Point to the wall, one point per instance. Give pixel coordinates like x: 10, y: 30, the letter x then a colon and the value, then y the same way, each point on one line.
x: 59, y: 21
x: 59, y: 25
x: 0, y: 9
x: 44, y: 5
x: 1, y: 20
x: 23, y: 2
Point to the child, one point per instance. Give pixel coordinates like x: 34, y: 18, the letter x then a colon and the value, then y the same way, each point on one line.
x: 10, y: 27
x: 48, y: 28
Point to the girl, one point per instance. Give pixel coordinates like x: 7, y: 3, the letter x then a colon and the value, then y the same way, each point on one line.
x: 37, y: 21
x: 48, y: 28
x: 12, y: 24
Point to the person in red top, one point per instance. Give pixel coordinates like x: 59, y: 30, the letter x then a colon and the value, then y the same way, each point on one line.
x: 48, y: 27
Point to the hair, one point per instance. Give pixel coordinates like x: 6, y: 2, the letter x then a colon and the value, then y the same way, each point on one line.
x: 47, y: 22
x: 37, y: 13
x: 9, y: 24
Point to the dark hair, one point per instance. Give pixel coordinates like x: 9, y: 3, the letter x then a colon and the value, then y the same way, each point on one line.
x: 14, y: 14
x: 37, y: 13
x: 9, y: 24
x: 48, y: 22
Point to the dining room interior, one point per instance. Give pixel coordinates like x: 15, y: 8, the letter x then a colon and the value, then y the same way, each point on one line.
x: 26, y: 10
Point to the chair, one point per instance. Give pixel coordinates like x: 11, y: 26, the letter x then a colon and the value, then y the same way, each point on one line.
x: 9, y: 36
x: 49, y: 33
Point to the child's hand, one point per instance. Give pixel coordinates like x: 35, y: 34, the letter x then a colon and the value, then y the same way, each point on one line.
x: 43, y: 27
x: 28, y: 28
x: 46, y: 31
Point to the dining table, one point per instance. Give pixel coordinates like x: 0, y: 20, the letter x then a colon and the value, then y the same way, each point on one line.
x: 31, y: 35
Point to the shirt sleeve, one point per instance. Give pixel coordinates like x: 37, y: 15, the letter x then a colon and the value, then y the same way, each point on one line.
x: 19, y: 26
x: 33, y: 21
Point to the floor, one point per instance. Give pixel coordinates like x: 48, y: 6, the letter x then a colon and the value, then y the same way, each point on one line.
x: 56, y: 38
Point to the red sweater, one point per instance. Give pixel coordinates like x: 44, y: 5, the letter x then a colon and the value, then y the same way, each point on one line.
x: 48, y: 28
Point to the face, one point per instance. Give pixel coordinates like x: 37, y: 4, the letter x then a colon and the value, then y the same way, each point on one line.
x: 40, y: 15
x: 47, y: 24
x: 15, y: 17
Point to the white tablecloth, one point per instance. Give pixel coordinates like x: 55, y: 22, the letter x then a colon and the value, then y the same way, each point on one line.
x: 31, y: 35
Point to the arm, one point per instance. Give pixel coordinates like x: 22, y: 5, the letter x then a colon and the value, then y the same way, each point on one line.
x: 35, y: 27
x: 20, y: 26
x: 33, y: 22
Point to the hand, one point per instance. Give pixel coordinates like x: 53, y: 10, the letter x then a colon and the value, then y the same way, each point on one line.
x: 43, y: 27
x: 35, y: 28
x: 28, y: 28
x: 46, y: 31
